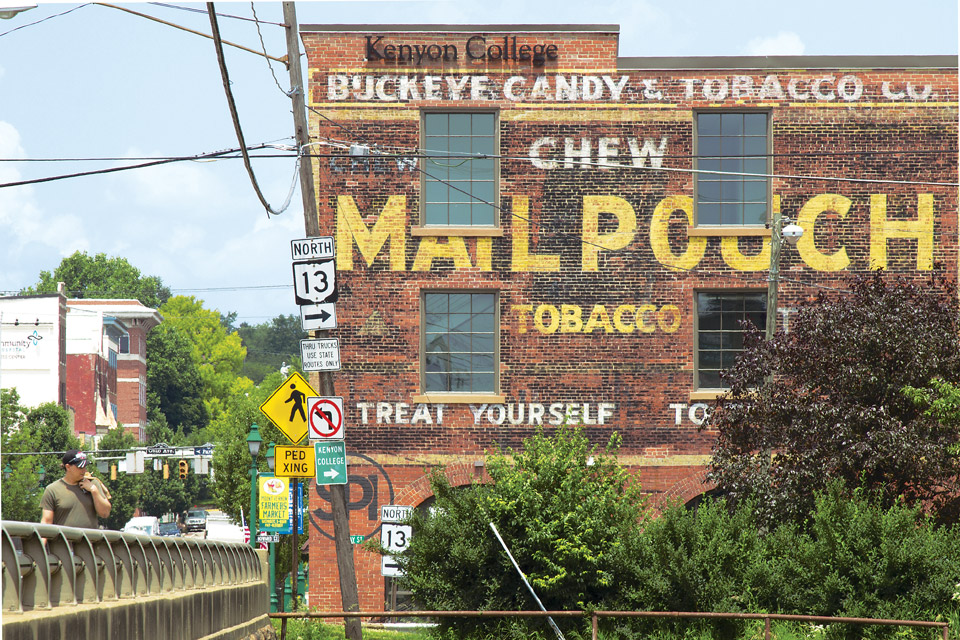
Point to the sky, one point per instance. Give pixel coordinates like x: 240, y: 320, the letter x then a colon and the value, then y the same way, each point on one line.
x: 98, y: 82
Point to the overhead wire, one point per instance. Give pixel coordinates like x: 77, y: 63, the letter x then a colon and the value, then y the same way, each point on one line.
x: 153, y: 163
x: 56, y: 15
x: 221, y: 15
x: 264, y: 47
x: 225, y: 76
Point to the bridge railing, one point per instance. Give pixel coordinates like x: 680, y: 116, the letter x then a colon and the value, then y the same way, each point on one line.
x: 46, y: 566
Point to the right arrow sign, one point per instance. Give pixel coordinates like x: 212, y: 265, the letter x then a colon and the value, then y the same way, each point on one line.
x: 331, y: 462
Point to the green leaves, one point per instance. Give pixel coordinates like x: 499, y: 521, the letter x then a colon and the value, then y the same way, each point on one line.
x: 565, y: 508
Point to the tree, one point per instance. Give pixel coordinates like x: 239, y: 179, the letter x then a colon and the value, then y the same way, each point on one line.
x: 102, y: 277
x: 175, y: 389
x: 827, y: 401
x: 25, y: 431
x: 125, y: 490
x: 568, y: 512
x: 231, y: 458
x: 218, y: 355
x: 270, y: 345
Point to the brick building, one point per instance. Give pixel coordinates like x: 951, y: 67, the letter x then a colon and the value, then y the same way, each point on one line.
x: 530, y: 229
x: 107, y: 364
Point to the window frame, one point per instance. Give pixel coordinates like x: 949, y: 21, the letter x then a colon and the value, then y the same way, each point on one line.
x: 715, y: 391
x: 493, y: 395
x: 741, y: 228
x: 459, y: 229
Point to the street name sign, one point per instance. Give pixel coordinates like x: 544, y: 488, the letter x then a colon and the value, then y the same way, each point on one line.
x: 264, y: 538
x: 309, y: 248
x: 287, y: 407
x: 331, y: 462
x: 325, y: 418
x: 295, y: 462
x: 320, y: 355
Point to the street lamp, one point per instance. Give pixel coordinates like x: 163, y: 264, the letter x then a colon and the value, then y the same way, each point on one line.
x: 271, y: 464
x: 253, y: 443
x: 7, y: 471
x: 271, y: 457
x: 41, y: 473
x: 781, y: 229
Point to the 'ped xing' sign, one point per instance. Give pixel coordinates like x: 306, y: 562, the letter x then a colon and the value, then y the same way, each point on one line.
x: 295, y: 462
x: 320, y: 355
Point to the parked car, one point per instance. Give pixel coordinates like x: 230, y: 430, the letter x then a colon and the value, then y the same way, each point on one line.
x: 169, y: 529
x: 196, y: 520
x: 146, y: 525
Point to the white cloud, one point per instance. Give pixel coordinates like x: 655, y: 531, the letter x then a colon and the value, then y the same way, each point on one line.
x: 30, y: 234
x: 785, y: 43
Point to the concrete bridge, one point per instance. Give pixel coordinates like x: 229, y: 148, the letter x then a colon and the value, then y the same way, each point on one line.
x: 92, y: 584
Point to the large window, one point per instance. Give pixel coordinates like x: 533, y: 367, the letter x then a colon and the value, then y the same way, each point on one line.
x: 720, y: 318
x: 460, y: 342
x: 732, y: 143
x: 460, y: 172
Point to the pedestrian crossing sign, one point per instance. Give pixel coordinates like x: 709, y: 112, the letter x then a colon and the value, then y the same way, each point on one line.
x: 287, y: 407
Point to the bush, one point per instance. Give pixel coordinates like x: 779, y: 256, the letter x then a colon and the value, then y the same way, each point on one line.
x: 567, y: 511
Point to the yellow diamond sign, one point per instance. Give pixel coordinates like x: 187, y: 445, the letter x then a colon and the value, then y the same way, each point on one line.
x: 287, y: 407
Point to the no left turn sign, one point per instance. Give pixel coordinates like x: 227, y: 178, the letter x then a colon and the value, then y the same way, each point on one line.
x: 325, y: 417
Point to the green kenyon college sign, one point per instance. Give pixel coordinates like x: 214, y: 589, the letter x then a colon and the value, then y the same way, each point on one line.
x: 475, y: 48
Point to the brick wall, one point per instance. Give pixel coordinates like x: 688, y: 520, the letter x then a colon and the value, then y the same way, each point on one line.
x: 595, y: 267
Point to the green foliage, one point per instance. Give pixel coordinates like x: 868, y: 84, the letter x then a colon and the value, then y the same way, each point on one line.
x: 22, y: 430
x: 102, y: 277
x: 858, y: 558
x: 569, y: 521
x: 826, y: 399
x: 299, y: 629
x: 125, y: 490
x: 270, y: 346
x: 231, y: 458
x: 217, y: 355
x: 175, y: 388
x: 853, y: 558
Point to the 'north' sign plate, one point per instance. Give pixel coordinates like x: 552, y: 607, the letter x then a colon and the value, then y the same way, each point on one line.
x: 309, y: 248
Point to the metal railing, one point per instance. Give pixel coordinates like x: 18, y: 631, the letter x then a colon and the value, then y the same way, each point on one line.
x: 596, y: 615
x: 46, y: 566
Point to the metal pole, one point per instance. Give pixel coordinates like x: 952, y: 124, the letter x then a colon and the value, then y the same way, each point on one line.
x: 273, y: 578
x: 773, y: 279
x: 295, y: 540
x: 553, y: 625
x: 252, y: 520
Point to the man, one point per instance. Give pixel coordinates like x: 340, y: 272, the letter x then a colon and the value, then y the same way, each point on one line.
x: 77, y: 499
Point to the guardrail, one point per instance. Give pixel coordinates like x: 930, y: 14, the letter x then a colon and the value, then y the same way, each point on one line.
x: 90, y: 566
x: 596, y: 615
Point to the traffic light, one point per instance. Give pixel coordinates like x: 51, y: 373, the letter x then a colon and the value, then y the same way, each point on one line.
x: 113, y: 472
x: 183, y: 469
x: 166, y: 471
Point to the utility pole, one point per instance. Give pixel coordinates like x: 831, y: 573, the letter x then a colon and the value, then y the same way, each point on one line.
x: 341, y: 519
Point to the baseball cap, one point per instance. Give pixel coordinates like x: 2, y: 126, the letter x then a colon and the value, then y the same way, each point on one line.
x: 75, y: 457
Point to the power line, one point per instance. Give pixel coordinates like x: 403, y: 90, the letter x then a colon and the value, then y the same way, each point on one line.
x: 56, y: 15
x: 218, y: 45
x: 153, y: 163
x: 221, y: 15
